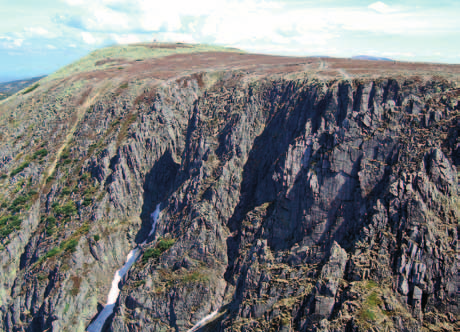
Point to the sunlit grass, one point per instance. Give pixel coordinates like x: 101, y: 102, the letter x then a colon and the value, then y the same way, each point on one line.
x: 137, y: 52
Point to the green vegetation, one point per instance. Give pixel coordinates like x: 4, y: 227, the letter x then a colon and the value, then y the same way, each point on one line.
x: 155, y: 253
x: 3, y: 176
x: 66, y: 308
x: 65, y: 154
x: 50, y: 225
x: 31, y: 88
x: 194, y: 276
x: 373, y: 311
x: 66, y: 191
x: 20, y: 168
x: 53, y: 252
x: 22, y: 202
x: 66, y: 210
x: 85, y: 176
x: 8, y: 224
x: 87, y: 201
x: 370, y: 307
x: 138, y: 283
x: 88, y: 195
x: 96, y: 237
x: 18, y: 203
x: 69, y: 245
x: 40, y: 153
x: 165, y: 244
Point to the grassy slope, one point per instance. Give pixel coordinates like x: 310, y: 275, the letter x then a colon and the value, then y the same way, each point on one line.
x: 132, y: 52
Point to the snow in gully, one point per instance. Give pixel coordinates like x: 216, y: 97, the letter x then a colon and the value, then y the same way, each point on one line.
x: 98, y: 323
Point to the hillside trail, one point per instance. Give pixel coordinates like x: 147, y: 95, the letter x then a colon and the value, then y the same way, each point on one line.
x: 322, y: 65
x: 344, y: 73
x: 81, y: 111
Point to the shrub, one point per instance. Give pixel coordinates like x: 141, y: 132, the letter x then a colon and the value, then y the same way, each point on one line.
x: 96, y: 237
x: 165, y: 244
x: 41, y: 153
x: 87, y: 201
x: 51, y: 225
x: 67, y: 210
x: 65, y: 154
x: 3, y: 176
x: 20, y: 168
x: 31, y: 88
x: 161, y: 247
x: 8, y: 224
x: 138, y: 283
x: 66, y: 191
x: 53, y: 252
x: 84, y: 229
x: 20, y: 203
x: 154, y: 253
x: 69, y: 245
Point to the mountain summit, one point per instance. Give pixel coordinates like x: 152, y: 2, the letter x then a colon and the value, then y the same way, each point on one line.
x: 176, y: 187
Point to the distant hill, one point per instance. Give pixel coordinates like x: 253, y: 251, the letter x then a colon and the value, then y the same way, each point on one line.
x: 4, y: 95
x: 9, y: 88
x: 369, y: 57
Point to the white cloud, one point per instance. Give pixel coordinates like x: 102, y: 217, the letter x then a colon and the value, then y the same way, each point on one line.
x: 381, y: 7
x: 125, y: 38
x: 37, y: 31
x: 175, y: 37
x: 296, y: 27
x: 9, y: 42
x: 89, y: 38
x: 233, y: 21
x: 51, y: 47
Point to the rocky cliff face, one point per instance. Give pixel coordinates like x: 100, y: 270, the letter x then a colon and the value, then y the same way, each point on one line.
x: 292, y: 198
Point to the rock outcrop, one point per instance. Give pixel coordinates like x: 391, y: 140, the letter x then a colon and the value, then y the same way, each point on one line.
x: 291, y: 199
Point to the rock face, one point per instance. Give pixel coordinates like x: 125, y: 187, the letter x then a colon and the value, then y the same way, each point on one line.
x: 291, y: 199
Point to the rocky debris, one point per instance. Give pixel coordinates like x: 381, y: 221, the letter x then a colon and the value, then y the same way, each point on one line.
x: 328, y: 283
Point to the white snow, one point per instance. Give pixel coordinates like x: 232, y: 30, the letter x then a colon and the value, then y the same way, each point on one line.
x: 203, y: 321
x: 155, y: 214
x: 98, y: 323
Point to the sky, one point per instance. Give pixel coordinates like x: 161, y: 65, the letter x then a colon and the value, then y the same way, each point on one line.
x: 39, y: 37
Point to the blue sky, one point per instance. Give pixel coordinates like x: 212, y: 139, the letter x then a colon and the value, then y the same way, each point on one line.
x: 38, y: 37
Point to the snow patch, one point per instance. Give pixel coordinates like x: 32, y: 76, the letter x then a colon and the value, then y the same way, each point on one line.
x: 98, y: 323
x: 202, y: 322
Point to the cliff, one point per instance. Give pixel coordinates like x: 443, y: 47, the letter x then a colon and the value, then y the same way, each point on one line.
x: 294, y: 194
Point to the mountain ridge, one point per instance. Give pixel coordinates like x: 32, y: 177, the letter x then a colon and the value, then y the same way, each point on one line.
x: 297, y: 194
